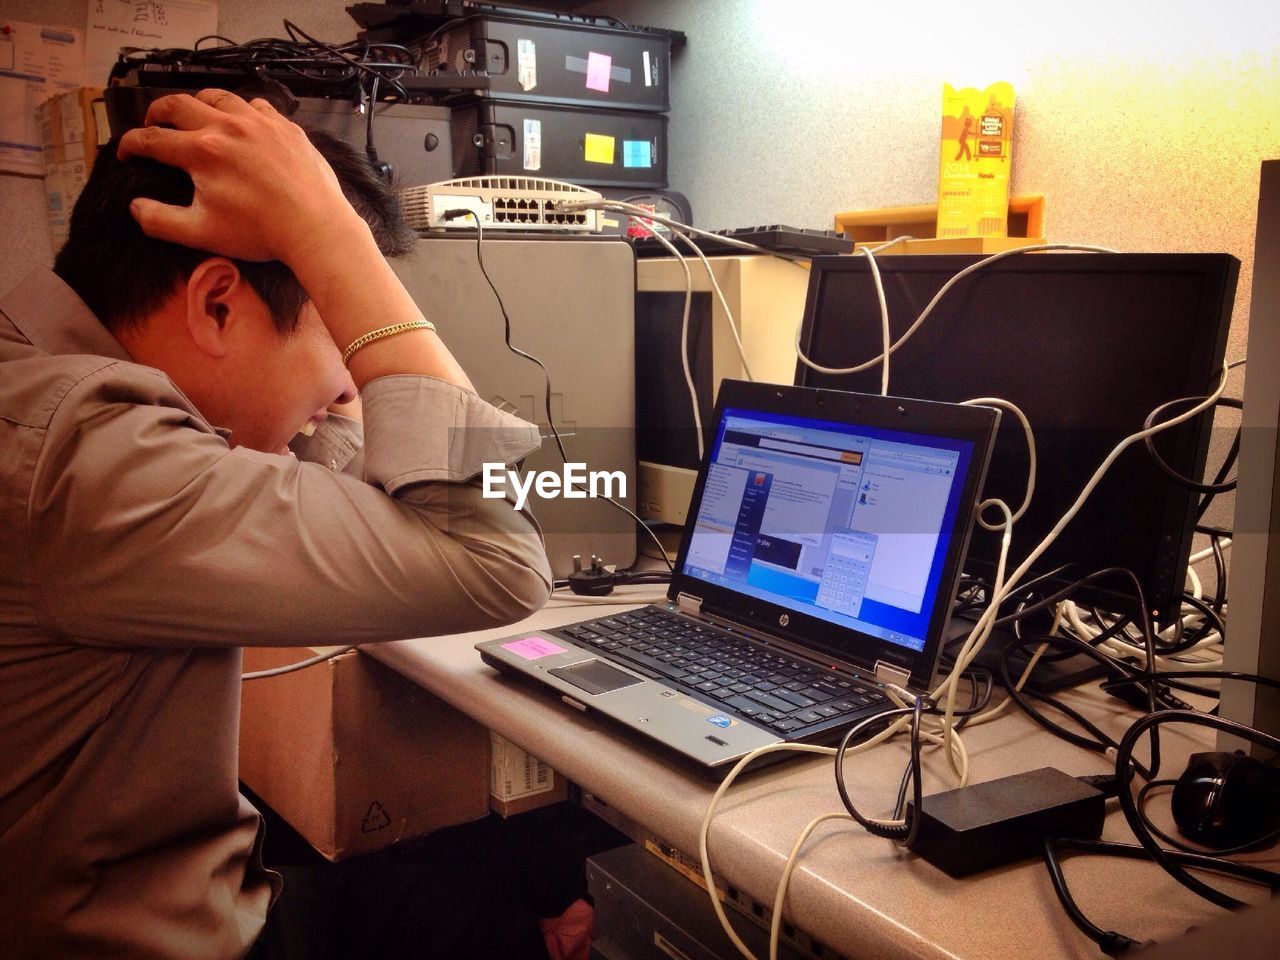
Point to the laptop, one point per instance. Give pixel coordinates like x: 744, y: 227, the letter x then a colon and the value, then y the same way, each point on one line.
x: 820, y: 562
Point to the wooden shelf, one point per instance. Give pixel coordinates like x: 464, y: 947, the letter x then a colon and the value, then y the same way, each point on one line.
x: 874, y: 227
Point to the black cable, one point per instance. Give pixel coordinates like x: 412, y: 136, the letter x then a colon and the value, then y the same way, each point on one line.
x: 1221, y: 486
x: 1212, y: 621
x: 506, y: 321
x: 1066, y: 592
x: 369, y: 104
x: 1126, y: 766
x: 1220, y: 575
x: 1111, y: 942
x: 1098, y: 741
x: 1232, y: 454
x: 1115, y: 630
x: 317, y: 62
x: 907, y: 831
x: 1119, y: 675
x: 340, y: 52
x: 1178, y: 681
x: 627, y: 578
x: 1213, y: 531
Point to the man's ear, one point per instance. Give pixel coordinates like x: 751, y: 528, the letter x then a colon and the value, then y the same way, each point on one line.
x: 214, y: 293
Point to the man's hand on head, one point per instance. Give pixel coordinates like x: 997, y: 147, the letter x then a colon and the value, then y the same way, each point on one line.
x: 262, y: 192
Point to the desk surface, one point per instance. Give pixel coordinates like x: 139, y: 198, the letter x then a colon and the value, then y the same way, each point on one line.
x: 858, y: 894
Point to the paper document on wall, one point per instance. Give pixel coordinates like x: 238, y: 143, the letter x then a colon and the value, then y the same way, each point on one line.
x: 143, y: 24
x: 36, y: 62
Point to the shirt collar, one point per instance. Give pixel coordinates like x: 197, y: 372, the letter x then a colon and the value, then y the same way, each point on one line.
x: 55, y: 320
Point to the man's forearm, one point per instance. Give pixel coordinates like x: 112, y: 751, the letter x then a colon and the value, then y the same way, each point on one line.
x: 355, y: 291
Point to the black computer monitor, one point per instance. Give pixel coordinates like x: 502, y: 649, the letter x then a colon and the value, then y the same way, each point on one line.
x: 1087, y: 345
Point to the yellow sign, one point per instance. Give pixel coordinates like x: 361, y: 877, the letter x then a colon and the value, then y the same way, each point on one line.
x: 973, y: 182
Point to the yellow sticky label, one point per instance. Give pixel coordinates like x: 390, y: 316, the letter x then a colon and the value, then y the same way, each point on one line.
x: 977, y: 140
x: 599, y: 148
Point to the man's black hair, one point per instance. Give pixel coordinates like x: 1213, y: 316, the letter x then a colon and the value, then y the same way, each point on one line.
x: 123, y: 275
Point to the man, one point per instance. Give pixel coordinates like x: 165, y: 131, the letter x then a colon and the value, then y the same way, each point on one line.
x: 151, y: 521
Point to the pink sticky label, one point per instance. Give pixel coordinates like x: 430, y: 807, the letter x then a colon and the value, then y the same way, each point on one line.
x: 533, y: 648
x: 599, y: 68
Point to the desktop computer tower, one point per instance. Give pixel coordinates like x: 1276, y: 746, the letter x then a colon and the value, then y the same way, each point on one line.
x: 571, y: 304
x: 569, y: 62
x: 645, y: 908
x: 589, y: 146
x: 413, y: 138
x: 1253, y: 612
x: 766, y: 297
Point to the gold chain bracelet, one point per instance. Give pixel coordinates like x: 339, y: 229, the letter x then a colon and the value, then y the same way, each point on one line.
x: 368, y: 338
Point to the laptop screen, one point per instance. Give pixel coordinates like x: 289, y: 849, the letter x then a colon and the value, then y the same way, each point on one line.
x: 849, y: 524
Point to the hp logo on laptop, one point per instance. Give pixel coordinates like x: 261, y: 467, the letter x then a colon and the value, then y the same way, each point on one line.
x: 784, y: 620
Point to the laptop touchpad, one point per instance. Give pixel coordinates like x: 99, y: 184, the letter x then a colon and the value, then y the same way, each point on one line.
x: 595, y: 676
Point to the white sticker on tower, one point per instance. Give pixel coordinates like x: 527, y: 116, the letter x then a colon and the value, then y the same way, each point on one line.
x: 526, y: 65
x: 648, y: 78
x: 532, y: 144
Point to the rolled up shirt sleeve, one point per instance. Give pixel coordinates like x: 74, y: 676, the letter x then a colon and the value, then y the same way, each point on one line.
x: 458, y: 434
x: 152, y: 531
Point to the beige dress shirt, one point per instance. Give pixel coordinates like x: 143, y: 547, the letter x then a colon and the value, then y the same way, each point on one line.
x: 138, y: 553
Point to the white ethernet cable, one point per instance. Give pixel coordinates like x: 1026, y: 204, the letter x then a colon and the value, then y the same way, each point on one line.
x: 724, y: 304
x: 884, y: 357
x: 681, y: 230
x: 646, y: 214
x: 684, y: 336
x: 298, y: 665
x: 980, y: 631
x: 1031, y: 454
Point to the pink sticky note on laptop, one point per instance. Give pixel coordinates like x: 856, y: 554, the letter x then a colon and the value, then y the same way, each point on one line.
x: 533, y: 648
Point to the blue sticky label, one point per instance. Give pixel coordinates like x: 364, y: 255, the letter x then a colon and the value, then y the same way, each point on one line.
x: 637, y: 153
x: 720, y: 721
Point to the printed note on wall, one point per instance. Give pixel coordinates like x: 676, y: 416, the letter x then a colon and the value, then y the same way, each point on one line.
x: 143, y: 24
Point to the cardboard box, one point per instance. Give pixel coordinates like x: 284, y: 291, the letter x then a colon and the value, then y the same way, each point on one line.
x: 354, y: 756
x: 519, y: 781
x: 72, y: 127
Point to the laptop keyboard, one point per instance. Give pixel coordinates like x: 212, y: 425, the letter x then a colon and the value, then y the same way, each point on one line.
x: 767, y: 686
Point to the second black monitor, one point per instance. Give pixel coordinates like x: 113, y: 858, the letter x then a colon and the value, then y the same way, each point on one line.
x: 1087, y: 345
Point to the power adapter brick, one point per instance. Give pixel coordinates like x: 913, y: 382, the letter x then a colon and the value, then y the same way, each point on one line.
x: 1002, y: 821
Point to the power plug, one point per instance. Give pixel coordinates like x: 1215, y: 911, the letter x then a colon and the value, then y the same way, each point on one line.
x: 594, y: 581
